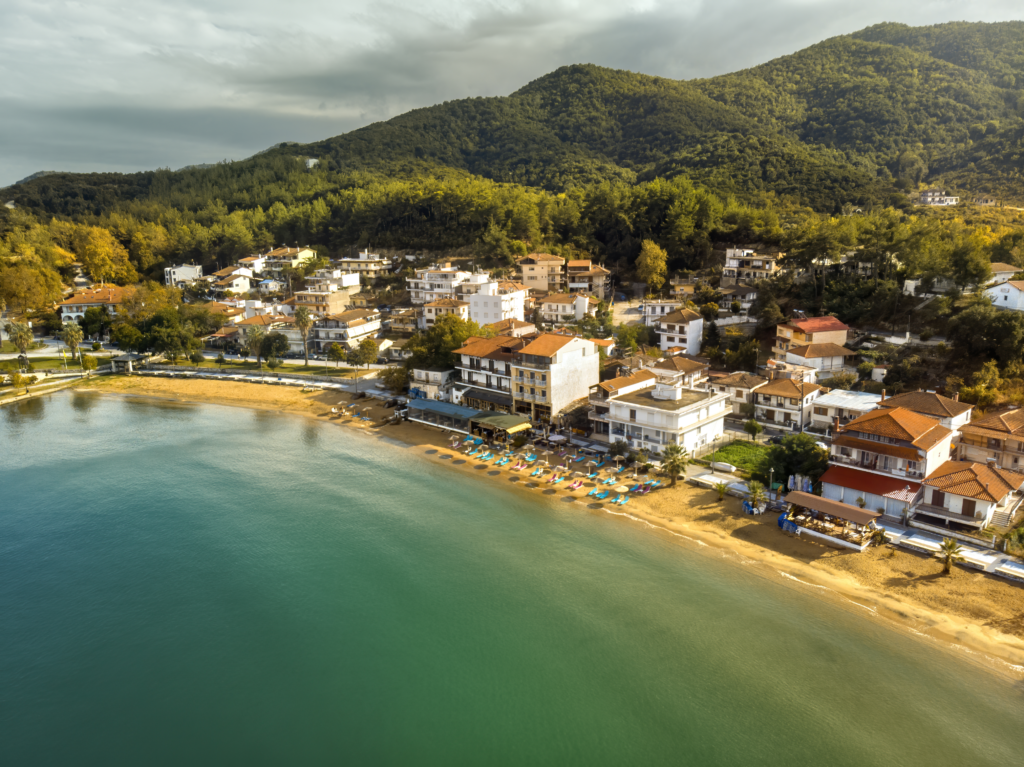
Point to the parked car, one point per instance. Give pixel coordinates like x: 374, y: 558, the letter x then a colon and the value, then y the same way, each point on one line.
x: 776, y: 440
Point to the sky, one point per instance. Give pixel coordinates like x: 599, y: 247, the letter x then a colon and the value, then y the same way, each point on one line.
x: 126, y: 85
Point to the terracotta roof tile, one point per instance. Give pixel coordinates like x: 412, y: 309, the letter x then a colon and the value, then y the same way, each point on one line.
x: 900, y: 423
x: 111, y: 295
x: 615, y: 384
x: 908, y: 453
x: 927, y: 402
x: 787, y: 387
x: 815, y: 351
x: 679, y: 316
x: 998, y: 266
x: 973, y: 480
x: 547, y: 345
x: 817, y: 324
x: 680, y: 364
x: 1003, y: 424
x: 741, y: 380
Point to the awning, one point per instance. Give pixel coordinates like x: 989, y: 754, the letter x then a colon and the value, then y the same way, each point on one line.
x: 503, y: 421
x: 483, y: 395
x: 832, y: 508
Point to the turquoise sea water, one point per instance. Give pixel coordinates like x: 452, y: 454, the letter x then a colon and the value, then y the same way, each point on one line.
x: 204, y: 585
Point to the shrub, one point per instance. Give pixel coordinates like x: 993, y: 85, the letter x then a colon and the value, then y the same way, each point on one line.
x: 197, y: 357
x: 88, y: 363
x: 273, y: 363
x: 96, y: 346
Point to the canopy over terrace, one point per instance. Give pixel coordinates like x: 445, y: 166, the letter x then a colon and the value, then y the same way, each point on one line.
x: 835, y: 522
x: 442, y: 414
x: 491, y: 422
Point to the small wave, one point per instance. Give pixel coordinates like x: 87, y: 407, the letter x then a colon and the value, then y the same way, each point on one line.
x: 794, y: 578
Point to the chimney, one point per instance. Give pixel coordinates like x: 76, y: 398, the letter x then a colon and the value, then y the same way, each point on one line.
x: 956, y: 397
x: 883, y: 396
x: 835, y: 425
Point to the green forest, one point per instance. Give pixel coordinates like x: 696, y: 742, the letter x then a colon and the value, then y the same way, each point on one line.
x: 815, y: 154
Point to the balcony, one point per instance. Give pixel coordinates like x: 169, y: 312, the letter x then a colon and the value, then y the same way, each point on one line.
x: 872, y: 465
x: 523, y: 397
x: 944, y: 513
x: 593, y: 415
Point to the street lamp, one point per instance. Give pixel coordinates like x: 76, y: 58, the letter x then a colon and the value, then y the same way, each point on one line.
x: 771, y: 482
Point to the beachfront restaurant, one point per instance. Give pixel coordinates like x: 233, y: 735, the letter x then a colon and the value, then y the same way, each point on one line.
x: 835, y: 523
x: 492, y: 425
x: 443, y: 415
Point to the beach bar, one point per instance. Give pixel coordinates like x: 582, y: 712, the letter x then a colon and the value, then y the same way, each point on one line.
x: 444, y: 415
x: 835, y: 523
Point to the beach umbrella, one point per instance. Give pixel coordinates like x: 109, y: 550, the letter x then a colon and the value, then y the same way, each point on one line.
x: 622, y: 489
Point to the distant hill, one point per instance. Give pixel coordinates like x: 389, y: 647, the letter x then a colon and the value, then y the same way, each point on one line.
x: 845, y: 121
x: 34, y: 176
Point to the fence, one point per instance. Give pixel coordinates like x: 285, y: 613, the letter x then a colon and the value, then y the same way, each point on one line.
x: 947, y: 533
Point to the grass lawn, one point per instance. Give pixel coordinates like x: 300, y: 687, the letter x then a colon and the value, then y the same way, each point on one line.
x: 47, y: 363
x: 314, y: 369
x: 745, y: 455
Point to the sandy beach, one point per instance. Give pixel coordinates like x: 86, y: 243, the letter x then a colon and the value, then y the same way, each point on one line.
x: 976, y: 615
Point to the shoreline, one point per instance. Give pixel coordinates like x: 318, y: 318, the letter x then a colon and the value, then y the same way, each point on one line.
x: 977, y: 617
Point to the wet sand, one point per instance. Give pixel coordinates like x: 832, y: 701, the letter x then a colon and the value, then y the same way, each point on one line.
x: 977, y: 615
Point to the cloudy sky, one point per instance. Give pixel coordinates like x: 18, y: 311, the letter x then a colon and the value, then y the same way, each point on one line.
x: 133, y: 84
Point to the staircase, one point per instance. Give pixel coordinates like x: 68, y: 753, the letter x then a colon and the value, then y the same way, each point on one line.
x: 1003, y: 517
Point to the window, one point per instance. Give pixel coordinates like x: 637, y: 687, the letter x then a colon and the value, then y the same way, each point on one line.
x: 821, y: 411
x: 632, y: 415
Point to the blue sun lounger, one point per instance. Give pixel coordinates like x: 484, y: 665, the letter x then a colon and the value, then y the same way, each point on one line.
x: 602, y: 496
x: 557, y: 480
x: 623, y: 500
x: 594, y: 491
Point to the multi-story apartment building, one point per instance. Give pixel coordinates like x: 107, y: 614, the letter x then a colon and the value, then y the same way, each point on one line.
x: 543, y: 272
x: 653, y: 414
x: 883, y: 456
x: 794, y: 334
x: 652, y: 311
x: 744, y: 294
x: 550, y: 372
x: 279, y: 258
x: 328, y: 291
x: 485, y: 369
x: 435, y: 282
x: 434, y: 310
x: 746, y: 266
x: 432, y: 383
x: 584, y: 275
x: 495, y: 301
x: 785, y: 403
x: 997, y: 440
x: 368, y: 264
x: 347, y: 328
x: 683, y: 329
x: 566, y: 307
x: 682, y: 370
x: 406, y: 320
x: 182, y: 274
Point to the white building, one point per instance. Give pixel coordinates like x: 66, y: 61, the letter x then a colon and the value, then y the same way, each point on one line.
x: 182, y: 274
x: 651, y: 312
x: 566, y: 307
x: 551, y: 372
x: 256, y: 264
x: 785, y: 403
x: 346, y: 328
x: 1008, y: 295
x: 432, y: 383
x: 434, y: 310
x: 882, y: 457
x: 270, y: 286
x: 235, y: 283
x: 653, y: 415
x: 74, y: 308
x: 683, y: 328
x: 747, y: 265
x: 937, y: 197
x: 368, y: 264
x: 739, y: 387
x: 827, y: 358
x: 1003, y: 272
x: 969, y: 494
x: 682, y: 370
x: 497, y: 301
x: 433, y: 283
x: 844, y: 406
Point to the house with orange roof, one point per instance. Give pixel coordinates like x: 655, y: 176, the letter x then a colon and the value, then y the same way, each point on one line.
x: 1003, y: 272
x: 551, y: 372
x: 794, y: 334
x: 996, y: 440
x: 345, y: 328
x: 543, y: 272
x: 107, y: 297
x: 785, y: 403
x: 827, y: 358
x: 567, y: 307
x: 683, y: 328
x: 951, y: 413
x: 584, y: 275
x: 485, y: 370
x: 971, y: 494
x: 883, y: 456
x: 516, y: 328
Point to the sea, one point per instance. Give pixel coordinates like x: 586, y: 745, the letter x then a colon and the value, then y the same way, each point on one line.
x: 204, y: 585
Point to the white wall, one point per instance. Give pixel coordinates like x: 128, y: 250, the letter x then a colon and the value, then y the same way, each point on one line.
x: 576, y: 368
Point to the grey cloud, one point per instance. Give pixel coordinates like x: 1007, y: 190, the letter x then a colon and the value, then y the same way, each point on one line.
x: 170, y: 84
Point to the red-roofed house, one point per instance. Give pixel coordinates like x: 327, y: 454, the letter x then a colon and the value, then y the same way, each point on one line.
x: 74, y: 308
x: 814, y: 330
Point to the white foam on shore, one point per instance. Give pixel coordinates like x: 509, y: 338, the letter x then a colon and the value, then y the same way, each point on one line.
x: 784, y: 574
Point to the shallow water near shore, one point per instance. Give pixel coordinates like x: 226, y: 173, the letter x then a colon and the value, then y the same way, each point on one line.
x: 200, y: 584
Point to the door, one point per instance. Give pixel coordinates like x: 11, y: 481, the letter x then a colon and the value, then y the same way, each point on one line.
x: 968, y: 508
x: 938, y: 499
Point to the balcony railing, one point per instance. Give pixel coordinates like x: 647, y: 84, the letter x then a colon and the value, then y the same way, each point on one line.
x: 939, y: 511
x: 872, y: 465
x: 593, y: 415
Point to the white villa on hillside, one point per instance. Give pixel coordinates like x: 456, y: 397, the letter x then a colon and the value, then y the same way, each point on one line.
x: 683, y: 328
x: 785, y: 403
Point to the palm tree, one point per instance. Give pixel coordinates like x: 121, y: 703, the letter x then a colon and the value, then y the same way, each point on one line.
x: 721, y: 488
x: 674, y: 460
x: 756, y: 493
x: 304, y: 323
x: 877, y: 536
x: 253, y: 342
x: 21, y: 336
x: 72, y: 336
x: 950, y: 552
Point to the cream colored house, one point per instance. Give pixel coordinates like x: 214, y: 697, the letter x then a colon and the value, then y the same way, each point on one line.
x: 543, y: 272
